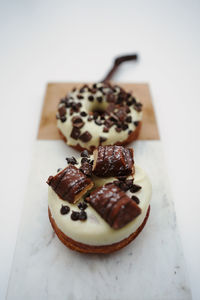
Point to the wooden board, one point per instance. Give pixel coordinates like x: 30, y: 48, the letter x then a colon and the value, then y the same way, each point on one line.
x: 55, y: 91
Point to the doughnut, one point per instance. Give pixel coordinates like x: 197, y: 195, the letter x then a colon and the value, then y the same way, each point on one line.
x: 99, y: 210
x: 101, y: 114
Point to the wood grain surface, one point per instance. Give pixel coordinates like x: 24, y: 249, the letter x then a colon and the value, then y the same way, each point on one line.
x: 55, y: 91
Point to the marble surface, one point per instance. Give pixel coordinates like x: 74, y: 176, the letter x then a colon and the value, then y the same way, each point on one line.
x: 152, y: 267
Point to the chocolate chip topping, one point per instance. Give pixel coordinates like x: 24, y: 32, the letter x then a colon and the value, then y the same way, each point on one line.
x: 75, y: 215
x: 134, y: 198
x: 117, y: 210
x: 70, y: 184
x: 84, y: 153
x: 91, y: 98
x: 62, y: 111
x: 78, y: 216
x: 136, y: 123
x: 113, y: 161
x: 75, y: 133
x: 64, y: 210
x: 82, y: 205
x: 77, y: 122
x: 85, y: 137
x: 83, y: 114
x: 135, y: 188
x: 63, y: 119
x: 71, y: 160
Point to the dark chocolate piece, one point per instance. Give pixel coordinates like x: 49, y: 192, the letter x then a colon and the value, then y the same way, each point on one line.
x: 136, y: 123
x: 84, y: 153
x: 82, y: 205
x: 105, y: 129
x: 70, y: 184
x: 77, y: 122
x: 85, y: 137
x: 75, y: 133
x: 64, y: 210
x: 62, y: 111
x: 113, y: 205
x: 63, y: 119
x: 83, y: 114
x: 91, y: 98
x: 75, y: 215
x: 134, y: 198
x: 71, y: 160
x: 135, y: 188
x: 113, y: 161
x: 82, y: 216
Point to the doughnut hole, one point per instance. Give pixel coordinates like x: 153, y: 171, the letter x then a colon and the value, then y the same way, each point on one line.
x: 95, y: 106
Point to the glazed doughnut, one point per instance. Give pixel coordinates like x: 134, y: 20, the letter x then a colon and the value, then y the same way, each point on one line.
x: 99, y: 115
x: 99, y: 214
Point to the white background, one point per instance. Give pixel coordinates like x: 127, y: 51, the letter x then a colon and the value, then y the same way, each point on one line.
x: 42, y: 41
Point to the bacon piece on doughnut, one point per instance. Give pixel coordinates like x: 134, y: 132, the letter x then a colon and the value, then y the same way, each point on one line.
x: 70, y: 184
x: 113, y: 161
x: 113, y: 205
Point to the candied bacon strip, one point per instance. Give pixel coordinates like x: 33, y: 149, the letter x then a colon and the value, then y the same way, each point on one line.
x: 113, y: 205
x: 70, y: 184
x: 113, y: 161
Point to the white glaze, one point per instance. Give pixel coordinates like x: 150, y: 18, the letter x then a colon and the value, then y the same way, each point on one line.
x: 95, y: 231
x: 95, y: 130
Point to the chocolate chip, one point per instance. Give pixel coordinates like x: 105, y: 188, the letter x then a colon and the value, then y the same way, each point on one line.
x: 134, y: 198
x: 71, y: 160
x: 102, y: 139
x: 77, y: 122
x: 85, y: 137
x: 82, y: 205
x: 85, y: 159
x: 75, y: 215
x: 64, y: 210
x: 124, y: 126
x: 138, y: 106
x: 80, y: 96
x: 59, y: 170
x: 135, y: 188
x: 99, y: 99
x: 128, y: 110
x: 84, y: 153
x: 86, y: 168
x: 129, y: 132
x: 83, y: 114
x: 74, y: 90
x: 91, y: 98
x: 105, y: 129
x: 62, y: 111
x: 75, y: 133
x: 63, y: 119
x: 129, y: 183
x: 82, y: 216
x: 136, y: 123
x: 129, y: 119
x: 90, y: 118
x: 79, y: 104
x: 94, y: 86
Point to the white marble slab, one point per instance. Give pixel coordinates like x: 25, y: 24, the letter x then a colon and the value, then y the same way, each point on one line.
x: 152, y: 267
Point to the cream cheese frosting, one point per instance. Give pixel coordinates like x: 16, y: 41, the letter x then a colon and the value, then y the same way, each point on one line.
x: 95, y: 231
x: 112, y: 137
